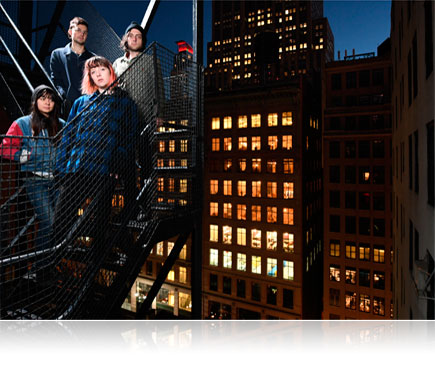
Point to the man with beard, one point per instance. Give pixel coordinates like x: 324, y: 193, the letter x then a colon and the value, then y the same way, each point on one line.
x: 66, y: 64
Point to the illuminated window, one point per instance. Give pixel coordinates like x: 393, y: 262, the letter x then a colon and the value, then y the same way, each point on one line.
x: 272, y: 142
x: 288, y: 242
x: 243, y: 121
x: 215, y: 123
x: 227, y: 122
x: 364, y: 303
x: 243, y: 143
x: 256, y: 143
x: 160, y: 184
x: 161, y: 146
x: 272, y: 267
x: 272, y: 120
x: 159, y: 249
x: 227, y: 144
x: 241, y: 261
x: 334, y: 248
x: 288, y: 166
x: 255, y: 238
x: 183, y: 185
x: 183, y: 252
x: 350, y: 300
x: 214, y: 234
x: 350, y: 275
x: 183, y: 145
x: 228, y: 163
x: 256, y: 165
x: 287, y: 142
x: 215, y: 144
x: 171, y: 185
x: 170, y: 247
x: 256, y: 213
x: 351, y: 250
x: 379, y: 253
x: 256, y: 189
x: 287, y: 216
x: 214, y: 257
x: 228, y: 187
x: 183, y: 162
x: 288, y: 272
x: 241, y: 236
x: 227, y: 210
x: 214, y: 209
x: 271, y: 240
x: 172, y: 146
x: 160, y: 163
x: 171, y: 275
x: 214, y: 187
x: 182, y: 275
x: 271, y: 189
x: 256, y: 264
x: 242, y: 165
x: 228, y: 259
x: 271, y: 214
x: 241, y: 212
x: 171, y: 162
x: 288, y: 190
x: 241, y: 188
x: 227, y: 234
x: 334, y: 273
x: 364, y: 252
x: 287, y: 118
x: 378, y: 306
x: 256, y: 121
x: 271, y: 166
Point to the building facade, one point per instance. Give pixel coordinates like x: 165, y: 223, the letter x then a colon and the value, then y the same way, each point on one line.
x: 358, y: 251
x: 412, y: 35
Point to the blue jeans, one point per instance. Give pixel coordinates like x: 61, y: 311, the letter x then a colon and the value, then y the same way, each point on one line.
x: 42, y: 195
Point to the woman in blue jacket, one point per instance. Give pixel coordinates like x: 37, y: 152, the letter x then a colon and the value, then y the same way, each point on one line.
x: 30, y: 141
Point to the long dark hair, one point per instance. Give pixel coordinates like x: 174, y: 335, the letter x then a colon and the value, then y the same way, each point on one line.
x: 38, y: 120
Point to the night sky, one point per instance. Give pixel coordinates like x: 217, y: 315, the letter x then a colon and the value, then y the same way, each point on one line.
x: 362, y: 25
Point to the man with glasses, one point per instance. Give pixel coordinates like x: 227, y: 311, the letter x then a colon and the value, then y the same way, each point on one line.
x: 66, y: 64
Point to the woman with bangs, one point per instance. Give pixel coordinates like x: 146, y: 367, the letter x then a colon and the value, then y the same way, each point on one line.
x: 97, y: 146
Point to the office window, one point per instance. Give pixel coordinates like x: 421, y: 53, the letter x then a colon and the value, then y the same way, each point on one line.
x: 336, y: 81
x: 288, y: 242
x: 272, y: 267
x: 271, y: 189
x: 228, y: 163
x: 334, y: 273
x: 287, y: 118
x: 350, y: 199
x: 256, y: 165
x: 256, y: 213
x: 272, y: 214
x: 228, y: 207
x: 334, y: 297
x: 183, y: 185
x: 334, y: 174
x: 271, y: 166
x: 213, y: 284
x: 334, y: 248
x: 287, y: 298
x: 364, y: 226
x: 182, y: 275
x: 364, y: 78
x: 227, y: 234
x: 256, y: 265
x: 350, y: 79
x: 227, y: 122
x: 272, y: 120
x: 215, y: 123
x: 288, y: 270
x: 241, y: 212
x: 228, y: 185
x: 350, y: 224
x: 364, y: 149
x: 242, y: 121
x: 364, y: 252
x: 351, y: 250
x: 349, y: 175
x: 256, y: 121
x: 226, y: 288
x: 242, y: 165
x: 379, y: 280
x: 214, y: 187
x: 350, y: 300
x: 255, y: 291
x: 288, y: 190
x: 172, y: 146
x: 160, y: 184
x: 378, y: 227
x: 214, y: 233
x: 271, y: 240
x: 183, y: 252
x: 350, y: 275
x: 364, y: 175
x: 364, y: 303
x: 227, y: 144
x: 288, y: 166
x: 272, y: 142
x: 272, y: 293
x: 228, y: 259
x: 256, y: 238
x: 287, y: 142
x: 287, y: 216
x: 243, y: 143
x: 334, y: 223
x: 159, y: 249
x: 364, y: 200
x: 378, y: 148
x: 378, y: 306
x: 171, y: 185
x: 364, y: 278
x: 241, y: 188
x: 161, y: 146
x: 241, y: 261
x: 256, y: 143
x: 215, y: 144
x: 256, y: 189
x: 214, y: 257
x: 379, y: 253
x: 214, y: 209
x: 349, y: 149
x: 378, y: 201
x: 241, y: 236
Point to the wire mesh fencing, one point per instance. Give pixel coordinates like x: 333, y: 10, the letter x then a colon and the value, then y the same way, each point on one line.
x: 73, y: 206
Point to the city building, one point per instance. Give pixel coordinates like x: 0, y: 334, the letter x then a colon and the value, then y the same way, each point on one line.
x: 358, y: 253
x: 262, y: 220
x: 412, y: 37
